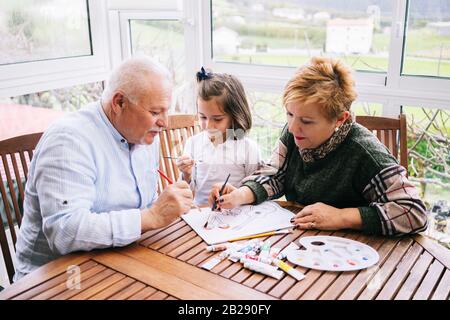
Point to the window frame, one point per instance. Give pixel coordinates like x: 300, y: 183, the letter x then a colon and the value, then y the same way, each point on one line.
x: 34, y: 76
x: 390, y: 87
x: 119, y: 23
x: 187, y: 15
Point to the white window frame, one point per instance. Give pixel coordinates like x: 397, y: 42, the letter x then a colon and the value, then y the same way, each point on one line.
x: 29, y: 77
x: 119, y: 25
x: 390, y: 88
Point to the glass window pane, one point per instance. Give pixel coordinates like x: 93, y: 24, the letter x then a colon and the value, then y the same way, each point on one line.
x: 268, y: 117
x: 288, y: 33
x: 427, y: 46
x: 429, y: 163
x: 32, y: 30
x: 362, y: 108
x: 163, y: 40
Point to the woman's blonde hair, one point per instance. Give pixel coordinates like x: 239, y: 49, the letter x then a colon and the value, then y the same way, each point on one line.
x: 325, y: 81
x: 230, y: 94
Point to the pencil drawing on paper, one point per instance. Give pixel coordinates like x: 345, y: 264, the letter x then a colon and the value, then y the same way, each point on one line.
x: 238, y: 218
x: 238, y: 222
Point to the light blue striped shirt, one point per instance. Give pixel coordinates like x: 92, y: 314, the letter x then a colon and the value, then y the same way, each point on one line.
x: 85, y: 189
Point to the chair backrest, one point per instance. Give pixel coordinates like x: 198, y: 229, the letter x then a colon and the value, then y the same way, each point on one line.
x: 173, y: 138
x: 391, y: 132
x: 16, y: 154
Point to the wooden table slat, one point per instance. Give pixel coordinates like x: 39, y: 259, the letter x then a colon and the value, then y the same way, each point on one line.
x: 61, y: 287
x: 415, y: 277
x: 396, y: 280
x: 195, y: 280
x: 44, y: 273
x: 128, y: 291
x: 193, y: 252
x: 443, y: 290
x: 328, y: 278
x: 201, y: 257
x: 182, y: 248
x: 366, y: 276
x: 432, y: 278
x: 343, y: 281
x: 159, y: 295
x: 170, y: 239
x: 113, y: 289
x: 436, y: 250
x: 86, y: 282
x: 163, y: 233
x: 388, y: 268
x: 143, y: 294
x: 47, y: 285
x: 98, y: 287
x: 151, y: 233
x: 165, y: 264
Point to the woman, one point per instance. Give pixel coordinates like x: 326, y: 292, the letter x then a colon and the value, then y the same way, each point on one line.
x: 346, y: 178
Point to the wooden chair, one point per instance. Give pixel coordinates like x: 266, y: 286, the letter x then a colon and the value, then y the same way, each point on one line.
x: 391, y: 132
x: 172, y: 139
x: 16, y: 154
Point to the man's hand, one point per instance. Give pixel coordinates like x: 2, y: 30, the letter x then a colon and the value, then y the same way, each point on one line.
x: 175, y: 200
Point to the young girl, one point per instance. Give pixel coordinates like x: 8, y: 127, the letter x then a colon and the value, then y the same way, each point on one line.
x: 222, y: 147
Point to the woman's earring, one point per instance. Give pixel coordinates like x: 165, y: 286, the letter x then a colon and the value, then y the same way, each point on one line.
x: 336, y: 129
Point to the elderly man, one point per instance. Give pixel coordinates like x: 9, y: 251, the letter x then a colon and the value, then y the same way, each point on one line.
x: 93, y: 179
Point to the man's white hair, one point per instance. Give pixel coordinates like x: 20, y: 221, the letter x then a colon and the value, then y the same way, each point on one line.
x: 132, y: 78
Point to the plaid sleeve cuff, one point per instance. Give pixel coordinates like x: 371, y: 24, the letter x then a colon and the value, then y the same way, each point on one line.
x: 371, y: 223
x: 258, y: 190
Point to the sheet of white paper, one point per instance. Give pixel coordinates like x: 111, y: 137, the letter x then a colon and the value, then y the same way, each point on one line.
x: 238, y: 222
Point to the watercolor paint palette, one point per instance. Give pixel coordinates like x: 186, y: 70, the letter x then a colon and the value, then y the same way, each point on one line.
x: 329, y: 253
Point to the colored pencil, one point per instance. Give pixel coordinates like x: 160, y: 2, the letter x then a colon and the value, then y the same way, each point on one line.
x: 265, y: 234
x: 165, y: 177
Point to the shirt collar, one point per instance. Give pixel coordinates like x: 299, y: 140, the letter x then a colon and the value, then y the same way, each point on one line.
x: 116, y: 134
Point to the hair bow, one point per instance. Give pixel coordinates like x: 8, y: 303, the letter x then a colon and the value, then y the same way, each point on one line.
x: 203, y: 75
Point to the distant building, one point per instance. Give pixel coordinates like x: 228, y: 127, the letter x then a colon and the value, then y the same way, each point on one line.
x: 442, y: 28
x: 321, y: 16
x: 346, y: 36
x: 288, y: 13
x: 226, y: 41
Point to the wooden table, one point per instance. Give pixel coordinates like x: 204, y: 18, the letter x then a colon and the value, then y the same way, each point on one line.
x: 165, y: 264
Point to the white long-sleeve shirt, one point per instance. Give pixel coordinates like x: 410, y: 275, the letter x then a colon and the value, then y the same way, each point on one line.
x: 85, y: 190
x: 240, y: 158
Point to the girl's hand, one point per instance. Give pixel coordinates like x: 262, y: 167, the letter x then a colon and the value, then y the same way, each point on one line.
x: 185, y: 164
x: 324, y: 217
x: 214, y: 196
x: 232, y: 197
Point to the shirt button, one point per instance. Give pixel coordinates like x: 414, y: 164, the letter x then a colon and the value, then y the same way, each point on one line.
x: 123, y: 140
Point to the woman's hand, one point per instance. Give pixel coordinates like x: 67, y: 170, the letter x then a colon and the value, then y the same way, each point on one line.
x: 185, y: 164
x: 231, y: 196
x: 324, y: 217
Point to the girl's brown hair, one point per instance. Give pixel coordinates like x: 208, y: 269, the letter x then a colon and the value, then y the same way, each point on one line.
x: 230, y: 95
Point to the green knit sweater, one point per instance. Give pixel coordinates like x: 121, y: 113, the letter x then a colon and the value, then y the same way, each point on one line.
x: 339, y: 179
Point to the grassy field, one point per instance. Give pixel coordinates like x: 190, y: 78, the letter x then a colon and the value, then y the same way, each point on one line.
x: 422, y: 49
x: 414, y: 66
